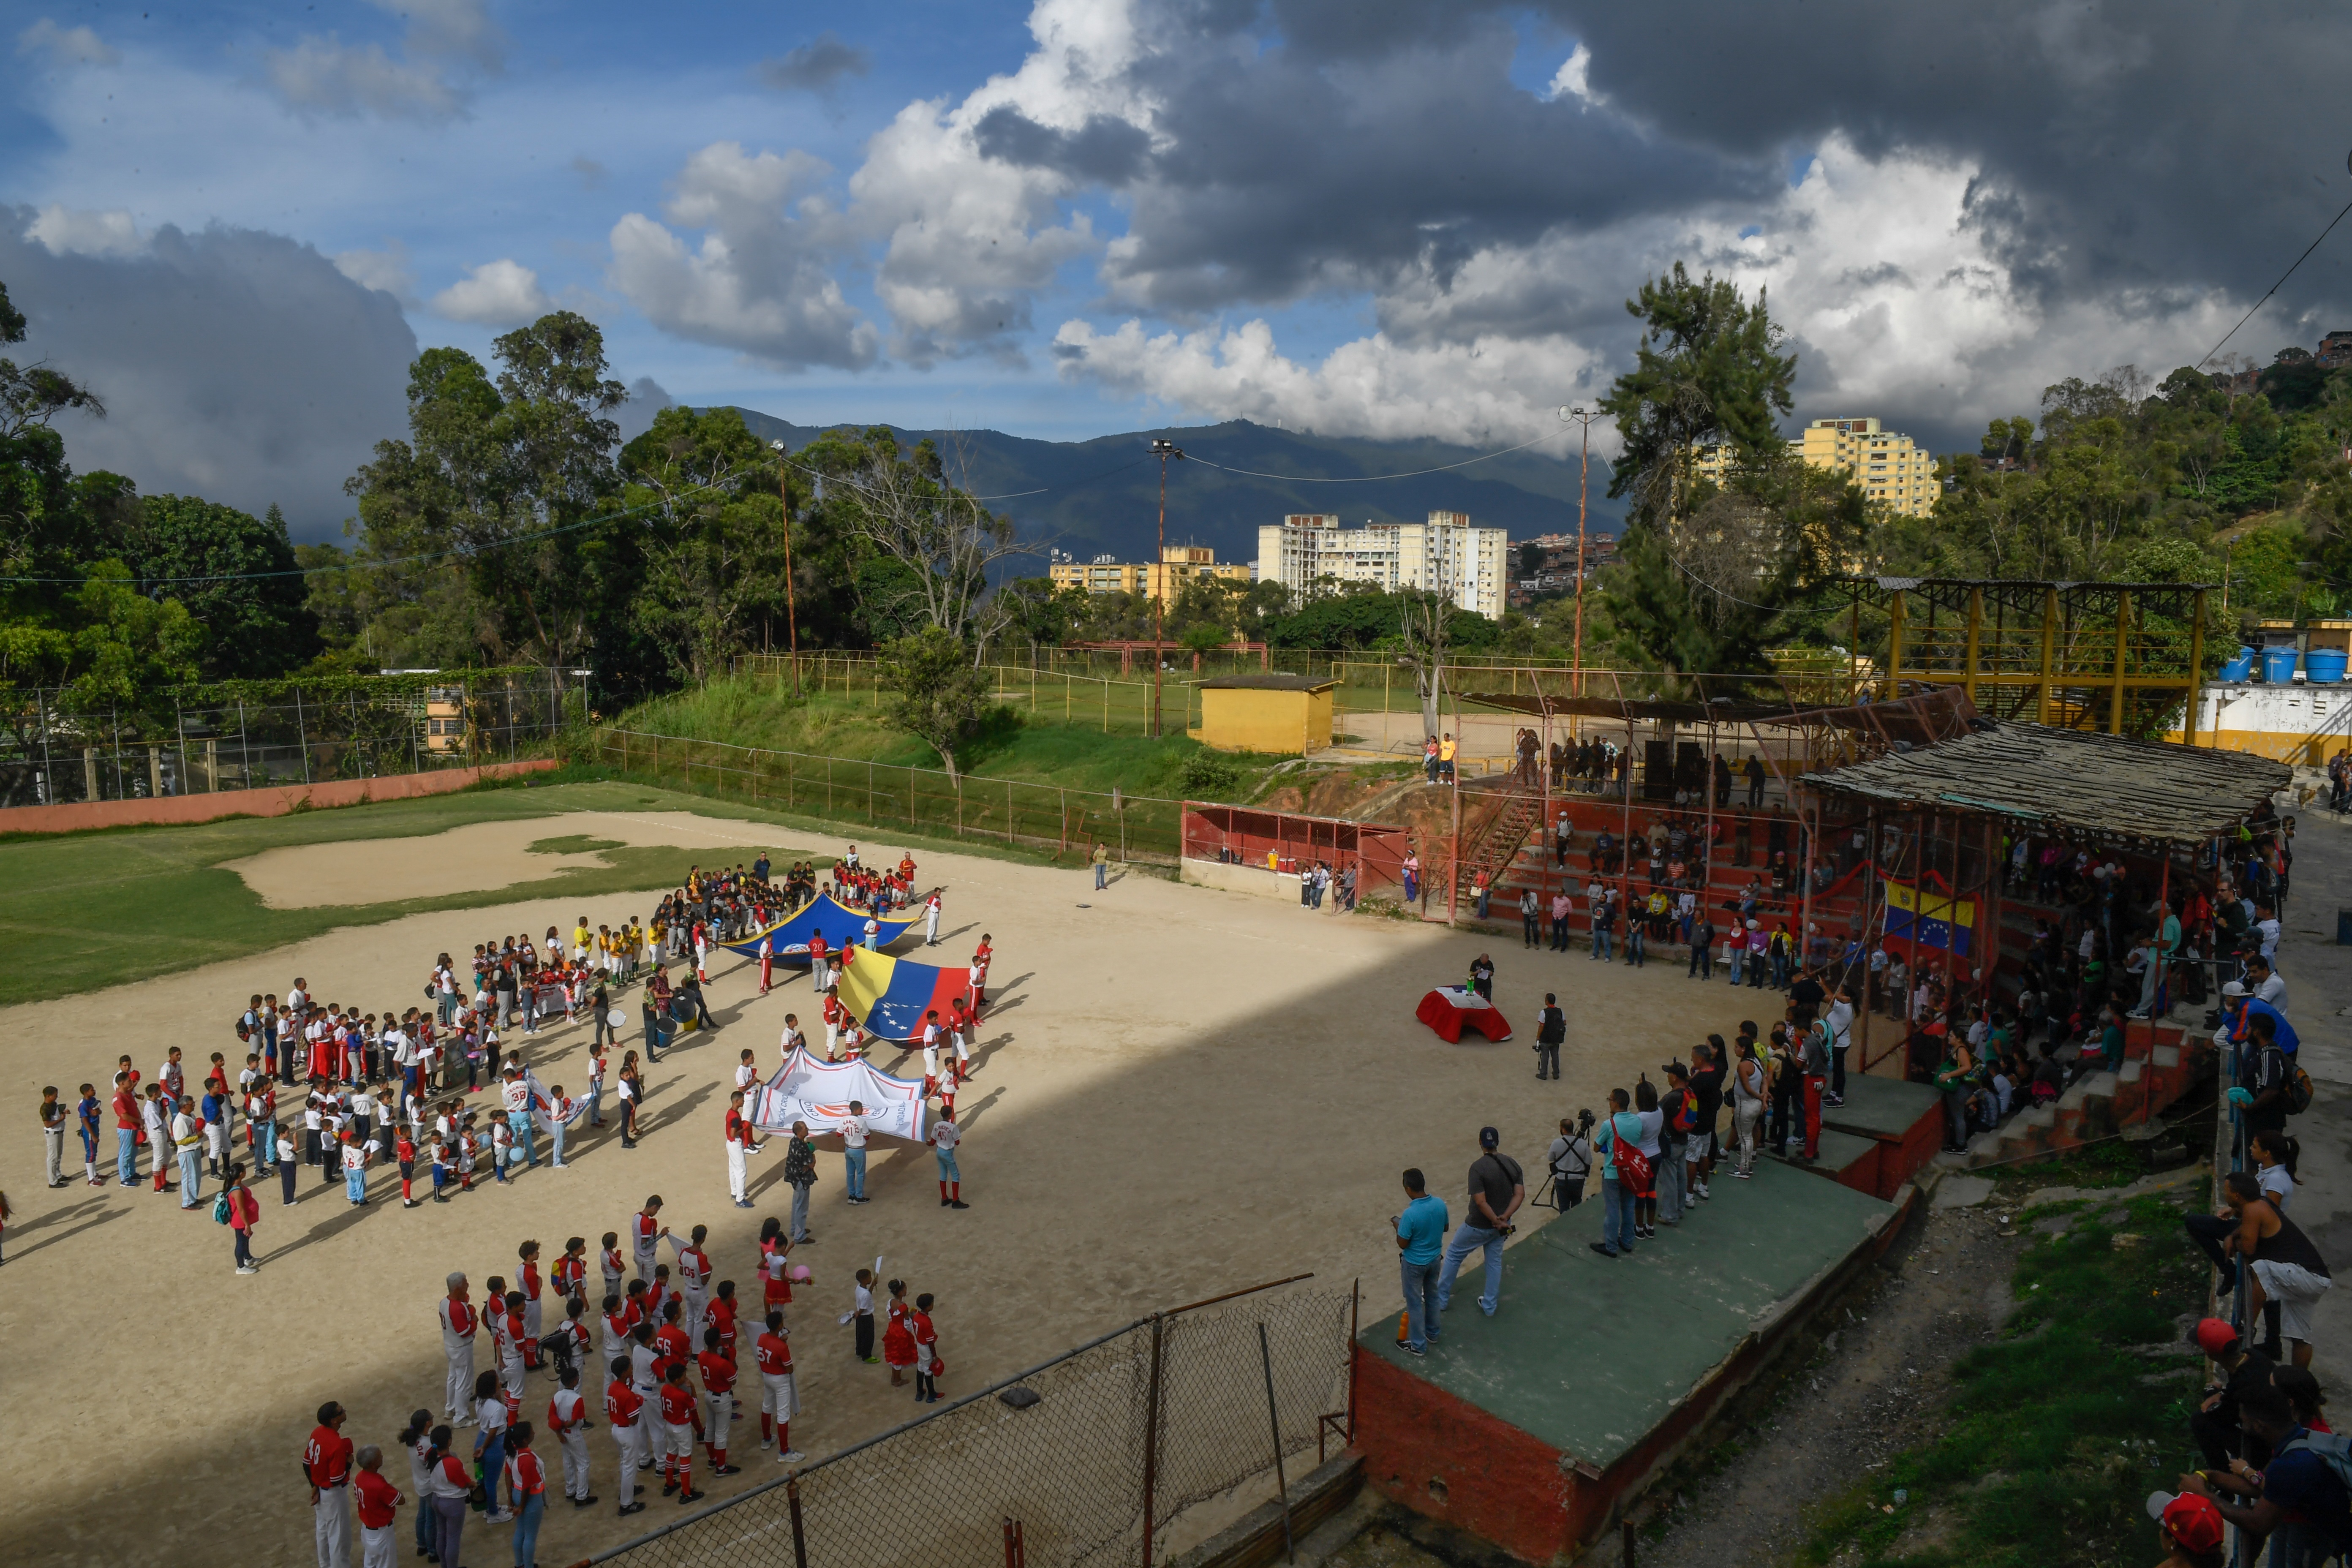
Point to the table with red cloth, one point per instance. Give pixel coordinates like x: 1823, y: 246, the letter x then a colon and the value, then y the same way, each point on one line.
x: 1450, y: 1009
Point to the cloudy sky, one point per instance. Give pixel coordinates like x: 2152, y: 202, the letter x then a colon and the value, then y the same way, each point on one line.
x: 1367, y: 218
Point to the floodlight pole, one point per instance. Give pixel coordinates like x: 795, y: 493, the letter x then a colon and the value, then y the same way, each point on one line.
x: 1163, y: 450
x: 791, y: 616
x: 1584, y: 416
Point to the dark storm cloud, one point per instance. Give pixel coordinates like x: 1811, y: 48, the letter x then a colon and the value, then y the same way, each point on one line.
x: 2168, y: 149
x: 234, y: 364
x: 1106, y: 150
x: 815, y: 65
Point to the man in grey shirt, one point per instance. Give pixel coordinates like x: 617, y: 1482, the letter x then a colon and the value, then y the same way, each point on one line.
x: 1498, y: 1188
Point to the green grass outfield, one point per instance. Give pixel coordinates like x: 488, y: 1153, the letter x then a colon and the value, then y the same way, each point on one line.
x: 86, y: 910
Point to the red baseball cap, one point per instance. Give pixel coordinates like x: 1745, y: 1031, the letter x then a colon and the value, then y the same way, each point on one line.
x: 2192, y: 1520
x: 2215, y: 1337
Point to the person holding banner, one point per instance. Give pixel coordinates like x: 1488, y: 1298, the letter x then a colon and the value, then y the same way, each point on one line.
x: 740, y: 1149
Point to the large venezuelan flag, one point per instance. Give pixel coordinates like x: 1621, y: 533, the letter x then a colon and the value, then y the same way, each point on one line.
x: 841, y: 925
x: 889, y: 995
x: 1930, y: 918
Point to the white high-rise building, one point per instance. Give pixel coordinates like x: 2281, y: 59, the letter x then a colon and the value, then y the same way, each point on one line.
x: 1467, y: 564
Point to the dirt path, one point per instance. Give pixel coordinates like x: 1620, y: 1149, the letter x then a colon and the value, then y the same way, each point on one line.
x: 1881, y: 1374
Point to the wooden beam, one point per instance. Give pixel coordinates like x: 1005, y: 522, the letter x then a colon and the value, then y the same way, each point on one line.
x: 2123, y: 633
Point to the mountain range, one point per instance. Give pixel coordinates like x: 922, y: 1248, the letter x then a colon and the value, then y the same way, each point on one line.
x: 1101, y: 496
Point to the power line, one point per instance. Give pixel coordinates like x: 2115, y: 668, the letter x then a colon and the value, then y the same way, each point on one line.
x: 2275, y: 287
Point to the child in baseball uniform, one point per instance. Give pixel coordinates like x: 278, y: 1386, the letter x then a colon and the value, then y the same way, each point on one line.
x: 624, y: 1413
x: 567, y: 1418
x: 681, y: 1427
x: 778, y: 1396
x: 719, y: 1401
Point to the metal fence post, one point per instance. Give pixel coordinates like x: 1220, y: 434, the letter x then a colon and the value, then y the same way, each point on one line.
x: 1151, y: 1440
x: 244, y: 747
x: 302, y: 734
x: 180, y: 725
x: 1274, y: 1419
x: 799, y: 1539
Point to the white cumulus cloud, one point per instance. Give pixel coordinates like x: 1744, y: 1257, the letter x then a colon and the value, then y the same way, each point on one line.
x: 66, y: 231
x: 387, y: 269
x: 450, y: 44
x: 759, y: 281
x: 499, y: 293
x: 67, y: 45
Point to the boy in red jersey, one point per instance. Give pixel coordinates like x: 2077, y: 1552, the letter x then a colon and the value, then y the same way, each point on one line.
x: 624, y: 1413
x: 528, y: 1280
x: 681, y: 1429
x: 720, y: 1315
x: 693, y: 1274
x: 778, y: 1396
x: 570, y: 1275
x: 404, y: 1150
x: 719, y: 1387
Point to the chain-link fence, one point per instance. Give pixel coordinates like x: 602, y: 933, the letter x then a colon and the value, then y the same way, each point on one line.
x: 1138, y: 828
x: 253, y: 734
x: 1091, y: 1459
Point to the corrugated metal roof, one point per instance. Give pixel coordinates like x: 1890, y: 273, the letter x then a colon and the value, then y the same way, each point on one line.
x: 2070, y: 779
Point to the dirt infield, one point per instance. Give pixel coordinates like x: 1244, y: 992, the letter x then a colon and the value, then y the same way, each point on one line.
x: 1180, y: 1091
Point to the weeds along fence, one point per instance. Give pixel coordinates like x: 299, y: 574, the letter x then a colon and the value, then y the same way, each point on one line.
x: 1376, y: 698
x: 1088, y: 1459
x: 253, y: 734
x: 925, y: 801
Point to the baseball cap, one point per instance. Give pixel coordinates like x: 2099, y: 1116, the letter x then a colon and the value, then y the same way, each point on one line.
x: 2214, y: 1336
x: 2193, y: 1521
x: 1488, y: 1138
x: 1674, y: 1069
x: 2232, y: 988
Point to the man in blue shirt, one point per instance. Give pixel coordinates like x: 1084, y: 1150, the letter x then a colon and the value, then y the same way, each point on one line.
x: 1419, y: 1237
x: 2304, y: 1498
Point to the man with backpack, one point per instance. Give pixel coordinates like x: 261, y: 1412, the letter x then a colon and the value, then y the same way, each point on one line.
x: 1679, y: 1116
x: 2267, y: 1080
x: 1626, y: 1177
x: 2304, y: 1496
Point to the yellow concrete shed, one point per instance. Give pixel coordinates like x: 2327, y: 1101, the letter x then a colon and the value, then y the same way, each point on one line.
x: 1284, y: 715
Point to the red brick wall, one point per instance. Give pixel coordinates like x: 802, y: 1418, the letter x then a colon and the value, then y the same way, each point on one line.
x: 273, y: 801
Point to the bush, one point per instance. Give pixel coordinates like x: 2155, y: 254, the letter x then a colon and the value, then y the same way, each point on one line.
x: 1205, y: 774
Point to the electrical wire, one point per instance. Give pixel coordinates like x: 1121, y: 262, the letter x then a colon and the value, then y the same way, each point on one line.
x: 2275, y: 287
x: 1368, y: 479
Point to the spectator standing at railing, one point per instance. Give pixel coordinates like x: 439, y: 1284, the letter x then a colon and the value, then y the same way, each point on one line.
x: 1419, y: 1232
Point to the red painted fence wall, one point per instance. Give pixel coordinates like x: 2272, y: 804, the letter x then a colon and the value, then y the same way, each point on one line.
x: 274, y: 802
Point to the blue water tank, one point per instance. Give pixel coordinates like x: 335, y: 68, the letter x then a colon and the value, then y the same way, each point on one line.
x: 2238, y: 670
x: 2323, y: 666
x: 2278, y: 665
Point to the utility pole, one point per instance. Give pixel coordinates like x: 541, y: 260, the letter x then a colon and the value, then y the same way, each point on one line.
x: 1163, y: 450
x: 791, y: 616
x: 1584, y: 416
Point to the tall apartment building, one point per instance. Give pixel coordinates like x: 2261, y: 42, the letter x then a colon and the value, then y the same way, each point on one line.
x: 1886, y: 466
x: 1470, y: 565
x: 1162, y: 579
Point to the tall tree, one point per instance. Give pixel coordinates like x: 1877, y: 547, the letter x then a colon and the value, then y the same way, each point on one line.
x: 704, y: 504
x: 236, y: 575
x: 1705, y: 569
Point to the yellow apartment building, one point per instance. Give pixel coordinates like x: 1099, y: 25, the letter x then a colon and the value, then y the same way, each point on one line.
x: 1888, y: 466
x: 1178, y: 565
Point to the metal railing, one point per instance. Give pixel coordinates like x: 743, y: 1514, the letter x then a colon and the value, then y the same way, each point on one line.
x: 1087, y: 1459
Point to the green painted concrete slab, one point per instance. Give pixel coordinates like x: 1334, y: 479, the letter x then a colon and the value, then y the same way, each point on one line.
x: 1881, y: 1107
x: 1588, y: 1354
x: 1840, y: 1150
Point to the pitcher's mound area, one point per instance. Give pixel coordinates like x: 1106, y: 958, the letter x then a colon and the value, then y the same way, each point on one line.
x: 484, y: 857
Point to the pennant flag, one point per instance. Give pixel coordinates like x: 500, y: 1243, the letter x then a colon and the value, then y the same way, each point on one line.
x: 818, y: 1092
x: 889, y: 995
x: 841, y: 925
x: 1930, y: 918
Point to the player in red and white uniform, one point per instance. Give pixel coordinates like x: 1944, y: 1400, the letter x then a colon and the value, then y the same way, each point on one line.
x: 741, y: 1145
x: 959, y: 1027
x: 615, y: 1325
x: 527, y: 1279
x: 681, y: 1427
x: 833, y: 1014
x: 611, y: 1263
x: 624, y: 1413
x: 567, y: 1418
x: 767, y: 960
x: 775, y: 1255
x: 980, y: 958
x: 927, y: 1353
x: 931, y: 919
x: 377, y: 1498
x: 778, y: 1396
x: 568, y: 1345
x: 646, y: 1231
x: 719, y: 1407
x: 931, y: 1032
x: 327, y: 1465
x: 459, y: 1322
x: 720, y: 1315
x: 569, y: 1275
x: 693, y: 1274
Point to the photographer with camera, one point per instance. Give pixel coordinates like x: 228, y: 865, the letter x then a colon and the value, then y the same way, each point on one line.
x: 1498, y: 1188
x: 1570, y: 1159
